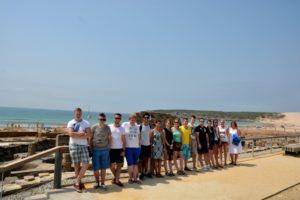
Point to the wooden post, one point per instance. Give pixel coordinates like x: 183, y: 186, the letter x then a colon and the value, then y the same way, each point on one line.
x: 271, y: 145
x: 57, y: 170
x: 31, y: 149
x: 252, y: 148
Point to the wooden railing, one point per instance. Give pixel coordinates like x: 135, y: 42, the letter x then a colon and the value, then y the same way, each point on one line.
x: 58, y: 150
x: 270, y: 140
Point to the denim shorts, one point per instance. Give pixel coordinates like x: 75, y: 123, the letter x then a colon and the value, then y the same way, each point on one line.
x: 100, y: 159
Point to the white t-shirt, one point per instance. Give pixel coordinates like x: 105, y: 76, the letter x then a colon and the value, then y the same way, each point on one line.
x: 145, y: 135
x: 116, y: 136
x: 132, y: 134
x: 79, y: 127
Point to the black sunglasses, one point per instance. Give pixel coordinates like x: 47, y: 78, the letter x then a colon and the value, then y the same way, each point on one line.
x: 117, y: 117
x: 102, y: 119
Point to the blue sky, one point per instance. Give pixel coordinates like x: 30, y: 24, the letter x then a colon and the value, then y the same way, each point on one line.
x: 134, y: 55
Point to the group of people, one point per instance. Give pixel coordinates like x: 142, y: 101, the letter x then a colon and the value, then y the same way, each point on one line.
x: 146, y: 148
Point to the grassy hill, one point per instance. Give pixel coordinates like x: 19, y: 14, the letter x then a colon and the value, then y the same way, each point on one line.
x: 221, y: 114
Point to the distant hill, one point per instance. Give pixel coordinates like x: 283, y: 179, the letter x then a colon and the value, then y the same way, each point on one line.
x: 221, y: 114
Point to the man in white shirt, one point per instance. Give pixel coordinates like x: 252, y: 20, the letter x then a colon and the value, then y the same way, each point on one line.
x: 79, y: 132
x: 132, y: 152
x: 117, y: 149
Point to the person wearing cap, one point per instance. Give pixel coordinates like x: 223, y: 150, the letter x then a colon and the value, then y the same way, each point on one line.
x: 145, y: 155
x: 132, y: 151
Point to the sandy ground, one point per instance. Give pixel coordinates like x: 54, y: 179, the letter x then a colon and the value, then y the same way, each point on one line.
x: 291, y: 120
x: 252, y: 179
x: 292, y: 193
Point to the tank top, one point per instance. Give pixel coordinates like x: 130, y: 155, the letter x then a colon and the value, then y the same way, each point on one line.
x: 168, y: 135
x: 176, y: 135
x: 217, y: 137
x: 223, y: 136
x: 211, y: 134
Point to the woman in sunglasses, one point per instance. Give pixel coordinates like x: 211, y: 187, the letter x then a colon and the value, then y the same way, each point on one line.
x: 177, y: 147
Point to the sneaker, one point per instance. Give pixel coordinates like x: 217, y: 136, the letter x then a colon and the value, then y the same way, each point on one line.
x: 171, y: 174
x: 130, y: 181
x: 77, y: 188
x: 81, y: 185
x: 113, y: 181
x: 187, y: 169
x: 96, y: 185
x: 159, y: 176
x: 195, y: 169
x: 167, y: 174
x: 103, y: 187
x: 138, y: 182
x: 142, y: 176
x: 149, y: 175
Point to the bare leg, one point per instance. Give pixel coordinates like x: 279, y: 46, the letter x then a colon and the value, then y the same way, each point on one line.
x: 130, y: 172
x: 165, y: 162
x: 211, y: 158
x: 216, y: 155
x: 181, y: 161
x: 170, y: 166
x: 77, y: 169
x: 96, y: 175
x: 103, y: 174
x: 225, y: 153
x: 118, y: 172
x: 221, y: 153
x: 231, y: 158
x: 82, y: 172
x: 159, y: 166
x: 207, y: 160
x: 135, y: 172
x: 175, y: 160
x: 194, y: 157
x: 200, y: 160
x: 113, y: 169
x: 235, y: 158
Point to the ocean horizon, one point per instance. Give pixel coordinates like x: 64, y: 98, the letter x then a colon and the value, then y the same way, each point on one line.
x: 50, y: 117
x: 59, y: 118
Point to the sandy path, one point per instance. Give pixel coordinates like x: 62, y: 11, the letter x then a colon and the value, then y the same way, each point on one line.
x: 253, y: 179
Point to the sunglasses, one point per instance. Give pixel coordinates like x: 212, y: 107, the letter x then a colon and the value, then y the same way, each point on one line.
x: 117, y: 117
x: 102, y: 119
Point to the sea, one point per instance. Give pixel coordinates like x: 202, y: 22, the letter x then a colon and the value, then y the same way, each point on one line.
x: 59, y: 118
x: 50, y: 118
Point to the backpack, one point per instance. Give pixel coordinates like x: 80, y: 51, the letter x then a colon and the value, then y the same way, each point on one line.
x: 236, y: 139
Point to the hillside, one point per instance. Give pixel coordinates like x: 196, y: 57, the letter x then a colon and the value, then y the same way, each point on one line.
x: 222, y: 115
